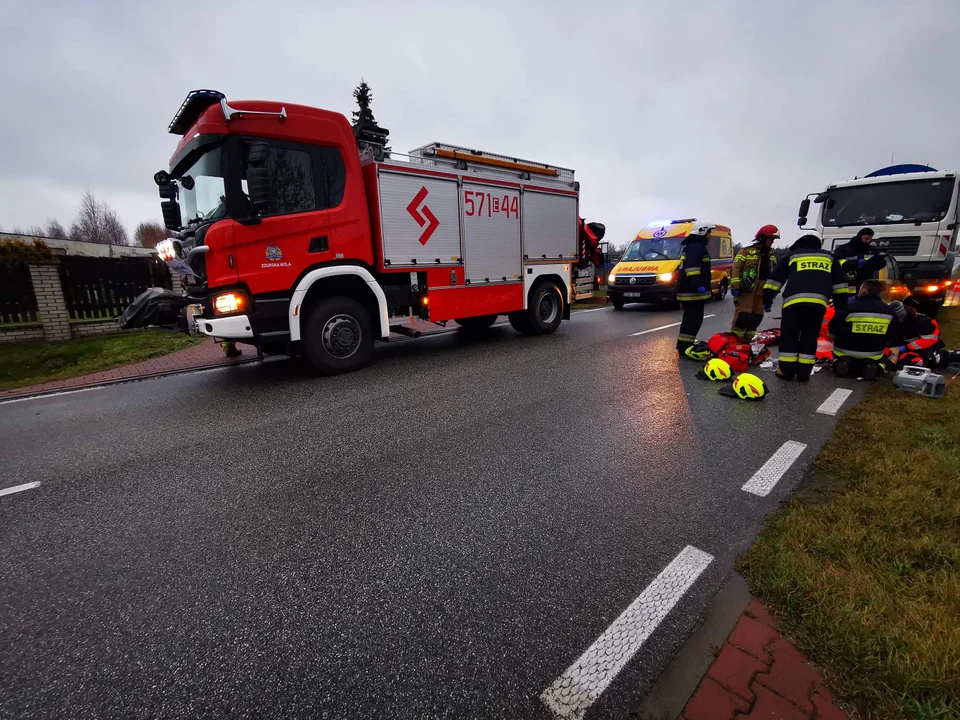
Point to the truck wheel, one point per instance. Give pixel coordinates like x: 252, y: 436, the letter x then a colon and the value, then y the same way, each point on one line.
x: 544, y: 313
x: 617, y: 303
x: 473, y: 324
x: 338, y: 337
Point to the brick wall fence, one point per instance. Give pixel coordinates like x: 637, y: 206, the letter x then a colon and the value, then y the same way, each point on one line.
x: 53, y: 318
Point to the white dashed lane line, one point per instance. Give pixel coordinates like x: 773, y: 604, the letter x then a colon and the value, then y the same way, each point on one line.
x: 766, y: 478
x: 19, y: 488
x: 664, y: 327
x: 832, y: 404
x: 583, y: 682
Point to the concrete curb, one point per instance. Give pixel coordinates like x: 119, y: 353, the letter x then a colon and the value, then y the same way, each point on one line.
x: 120, y: 381
x: 669, y: 694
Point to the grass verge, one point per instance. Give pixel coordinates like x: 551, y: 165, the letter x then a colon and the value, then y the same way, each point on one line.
x: 29, y: 364
x: 863, y: 568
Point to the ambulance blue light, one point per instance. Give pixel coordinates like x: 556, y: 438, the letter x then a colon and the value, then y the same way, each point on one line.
x: 659, y: 223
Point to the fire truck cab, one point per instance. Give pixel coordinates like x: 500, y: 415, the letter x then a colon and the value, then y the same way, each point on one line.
x: 291, y: 239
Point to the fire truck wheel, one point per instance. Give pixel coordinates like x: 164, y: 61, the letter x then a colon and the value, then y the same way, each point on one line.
x: 338, y: 337
x: 477, y: 323
x: 543, y: 314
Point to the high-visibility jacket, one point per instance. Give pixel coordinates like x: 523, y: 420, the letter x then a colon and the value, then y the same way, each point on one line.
x: 749, y: 268
x: 695, y: 271
x: 807, y: 275
x: 864, y: 328
x: 917, y: 332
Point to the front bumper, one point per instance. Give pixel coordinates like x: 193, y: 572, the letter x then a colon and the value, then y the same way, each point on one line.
x: 666, y: 293
x: 233, y: 327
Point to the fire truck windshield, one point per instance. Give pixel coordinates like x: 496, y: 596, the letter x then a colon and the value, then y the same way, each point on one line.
x: 910, y: 201
x: 656, y: 249
x: 206, y: 198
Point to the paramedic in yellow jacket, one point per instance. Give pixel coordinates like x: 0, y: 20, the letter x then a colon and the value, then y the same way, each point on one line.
x: 751, y: 268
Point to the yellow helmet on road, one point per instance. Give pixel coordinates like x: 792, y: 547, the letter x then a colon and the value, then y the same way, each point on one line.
x: 749, y: 387
x: 717, y: 370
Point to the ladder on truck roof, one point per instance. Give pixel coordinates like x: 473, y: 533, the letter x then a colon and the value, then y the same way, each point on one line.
x: 469, y: 159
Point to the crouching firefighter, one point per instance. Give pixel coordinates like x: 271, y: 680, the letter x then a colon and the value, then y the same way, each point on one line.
x: 693, y: 287
x: 751, y: 269
x: 808, y: 277
x: 861, y: 332
x: 917, y: 339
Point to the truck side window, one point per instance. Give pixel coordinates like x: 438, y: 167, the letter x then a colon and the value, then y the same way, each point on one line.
x: 303, y: 178
x: 291, y: 180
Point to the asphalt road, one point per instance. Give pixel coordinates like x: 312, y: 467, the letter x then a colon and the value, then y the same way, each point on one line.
x: 440, y: 535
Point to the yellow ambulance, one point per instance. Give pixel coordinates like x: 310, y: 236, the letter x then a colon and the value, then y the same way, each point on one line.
x: 647, y: 271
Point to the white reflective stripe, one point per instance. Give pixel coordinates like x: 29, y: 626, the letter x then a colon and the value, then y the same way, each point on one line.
x: 856, y: 353
x: 840, y: 286
x: 788, y: 356
x: 869, y: 316
x: 584, y: 681
x: 766, y: 478
x: 832, y: 404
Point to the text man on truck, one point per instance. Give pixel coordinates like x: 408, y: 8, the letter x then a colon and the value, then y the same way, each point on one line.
x: 293, y: 241
x: 914, y: 212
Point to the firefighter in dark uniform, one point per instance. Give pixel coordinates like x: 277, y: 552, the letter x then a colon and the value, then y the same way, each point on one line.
x: 693, y: 287
x: 861, y: 333
x: 751, y: 268
x: 859, y: 259
x: 808, y: 277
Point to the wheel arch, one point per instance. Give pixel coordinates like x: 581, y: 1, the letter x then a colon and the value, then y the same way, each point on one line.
x: 347, y: 280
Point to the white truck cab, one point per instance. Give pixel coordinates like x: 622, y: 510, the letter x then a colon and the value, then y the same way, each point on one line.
x: 913, y: 211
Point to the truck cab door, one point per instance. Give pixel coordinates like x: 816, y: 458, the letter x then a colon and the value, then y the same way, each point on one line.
x: 290, y: 231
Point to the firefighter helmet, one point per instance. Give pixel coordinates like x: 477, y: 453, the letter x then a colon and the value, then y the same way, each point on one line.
x: 698, y: 351
x: 749, y: 387
x: 771, y: 231
x: 717, y: 370
x: 702, y: 228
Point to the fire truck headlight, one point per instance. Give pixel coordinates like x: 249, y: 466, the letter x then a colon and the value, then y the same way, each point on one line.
x: 228, y: 303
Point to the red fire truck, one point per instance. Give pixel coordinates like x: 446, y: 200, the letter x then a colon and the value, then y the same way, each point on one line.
x: 298, y: 235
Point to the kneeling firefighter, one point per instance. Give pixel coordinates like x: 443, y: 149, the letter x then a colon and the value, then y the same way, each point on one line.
x: 693, y: 286
x: 862, y: 331
x: 751, y: 268
x: 808, y: 277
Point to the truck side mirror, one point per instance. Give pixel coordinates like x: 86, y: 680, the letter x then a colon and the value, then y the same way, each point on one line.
x: 804, y: 208
x: 258, y: 179
x: 171, y: 214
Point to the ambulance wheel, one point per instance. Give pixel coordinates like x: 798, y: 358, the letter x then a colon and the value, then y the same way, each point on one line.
x: 721, y: 292
x: 617, y: 303
x: 472, y: 324
x: 338, y: 336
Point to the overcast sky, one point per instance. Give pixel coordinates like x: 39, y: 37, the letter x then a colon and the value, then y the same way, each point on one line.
x: 729, y: 111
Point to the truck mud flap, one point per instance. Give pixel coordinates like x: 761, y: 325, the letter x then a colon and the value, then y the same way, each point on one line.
x: 157, y: 307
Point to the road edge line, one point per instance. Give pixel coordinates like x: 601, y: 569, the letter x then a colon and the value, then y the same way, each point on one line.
x: 772, y: 471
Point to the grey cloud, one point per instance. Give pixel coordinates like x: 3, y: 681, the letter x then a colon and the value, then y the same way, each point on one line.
x: 731, y: 111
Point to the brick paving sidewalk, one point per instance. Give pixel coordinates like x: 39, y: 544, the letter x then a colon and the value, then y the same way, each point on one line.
x: 758, y: 674
x: 206, y: 354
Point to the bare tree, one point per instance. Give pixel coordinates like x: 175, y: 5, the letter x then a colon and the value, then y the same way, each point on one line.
x: 55, y: 230
x: 148, y: 234
x: 97, y: 222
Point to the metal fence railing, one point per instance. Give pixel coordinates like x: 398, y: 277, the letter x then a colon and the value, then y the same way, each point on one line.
x: 18, y: 303
x: 101, y: 288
